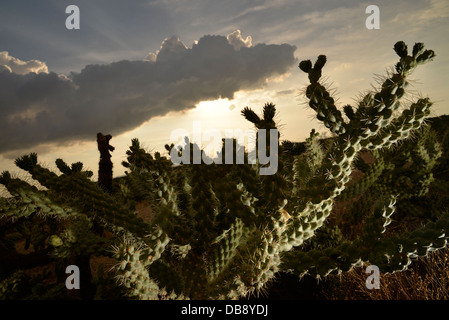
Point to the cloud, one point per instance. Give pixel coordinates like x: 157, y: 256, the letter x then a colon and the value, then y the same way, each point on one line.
x: 21, y: 67
x: 4, y: 68
x: 37, y: 108
x: 285, y: 92
x: 434, y: 10
x: 236, y: 40
x: 151, y: 57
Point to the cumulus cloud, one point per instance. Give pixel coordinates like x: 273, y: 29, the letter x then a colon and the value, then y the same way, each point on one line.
x: 236, y: 40
x: 45, y: 107
x: 21, y: 67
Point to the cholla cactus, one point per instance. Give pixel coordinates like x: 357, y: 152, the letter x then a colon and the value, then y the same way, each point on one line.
x: 224, y: 231
x: 374, y: 126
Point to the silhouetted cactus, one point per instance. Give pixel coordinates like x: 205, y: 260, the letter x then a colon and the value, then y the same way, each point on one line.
x: 105, y: 165
x: 223, y: 231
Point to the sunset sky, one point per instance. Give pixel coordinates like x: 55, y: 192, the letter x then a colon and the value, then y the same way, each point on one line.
x: 145, y: 68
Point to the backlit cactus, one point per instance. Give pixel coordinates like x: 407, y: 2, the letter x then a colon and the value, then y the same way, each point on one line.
x: 222, y: 231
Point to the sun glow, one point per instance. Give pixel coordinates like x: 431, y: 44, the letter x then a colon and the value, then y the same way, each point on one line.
x: 220, y: 114
x: 213, y: 109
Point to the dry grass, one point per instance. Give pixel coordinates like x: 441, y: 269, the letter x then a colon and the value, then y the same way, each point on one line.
x: 426, y: 279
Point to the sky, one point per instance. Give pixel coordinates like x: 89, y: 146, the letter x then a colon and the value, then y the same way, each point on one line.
x: 144, y: 68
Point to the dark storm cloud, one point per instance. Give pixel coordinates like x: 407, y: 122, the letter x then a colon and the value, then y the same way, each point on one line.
x: 116, y: 97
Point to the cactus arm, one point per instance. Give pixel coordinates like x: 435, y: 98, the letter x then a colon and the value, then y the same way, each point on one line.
x: 94, y: 201
x: 400, y: 128
x: 225, y: 251
x: 28, y: 199
x: 368, y: 180
x: 389, y: 254
x: 320, y: 99
x: 135, y: 256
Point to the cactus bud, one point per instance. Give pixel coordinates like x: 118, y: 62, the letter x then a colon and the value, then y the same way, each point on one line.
x: 305, y: 65
x: 418, y: 48
x: 321, y: 61
x: 425, y: 56
x: 401, y: 49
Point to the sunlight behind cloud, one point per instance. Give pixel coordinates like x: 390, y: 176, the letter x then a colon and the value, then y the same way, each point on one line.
x: 212, y: 109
